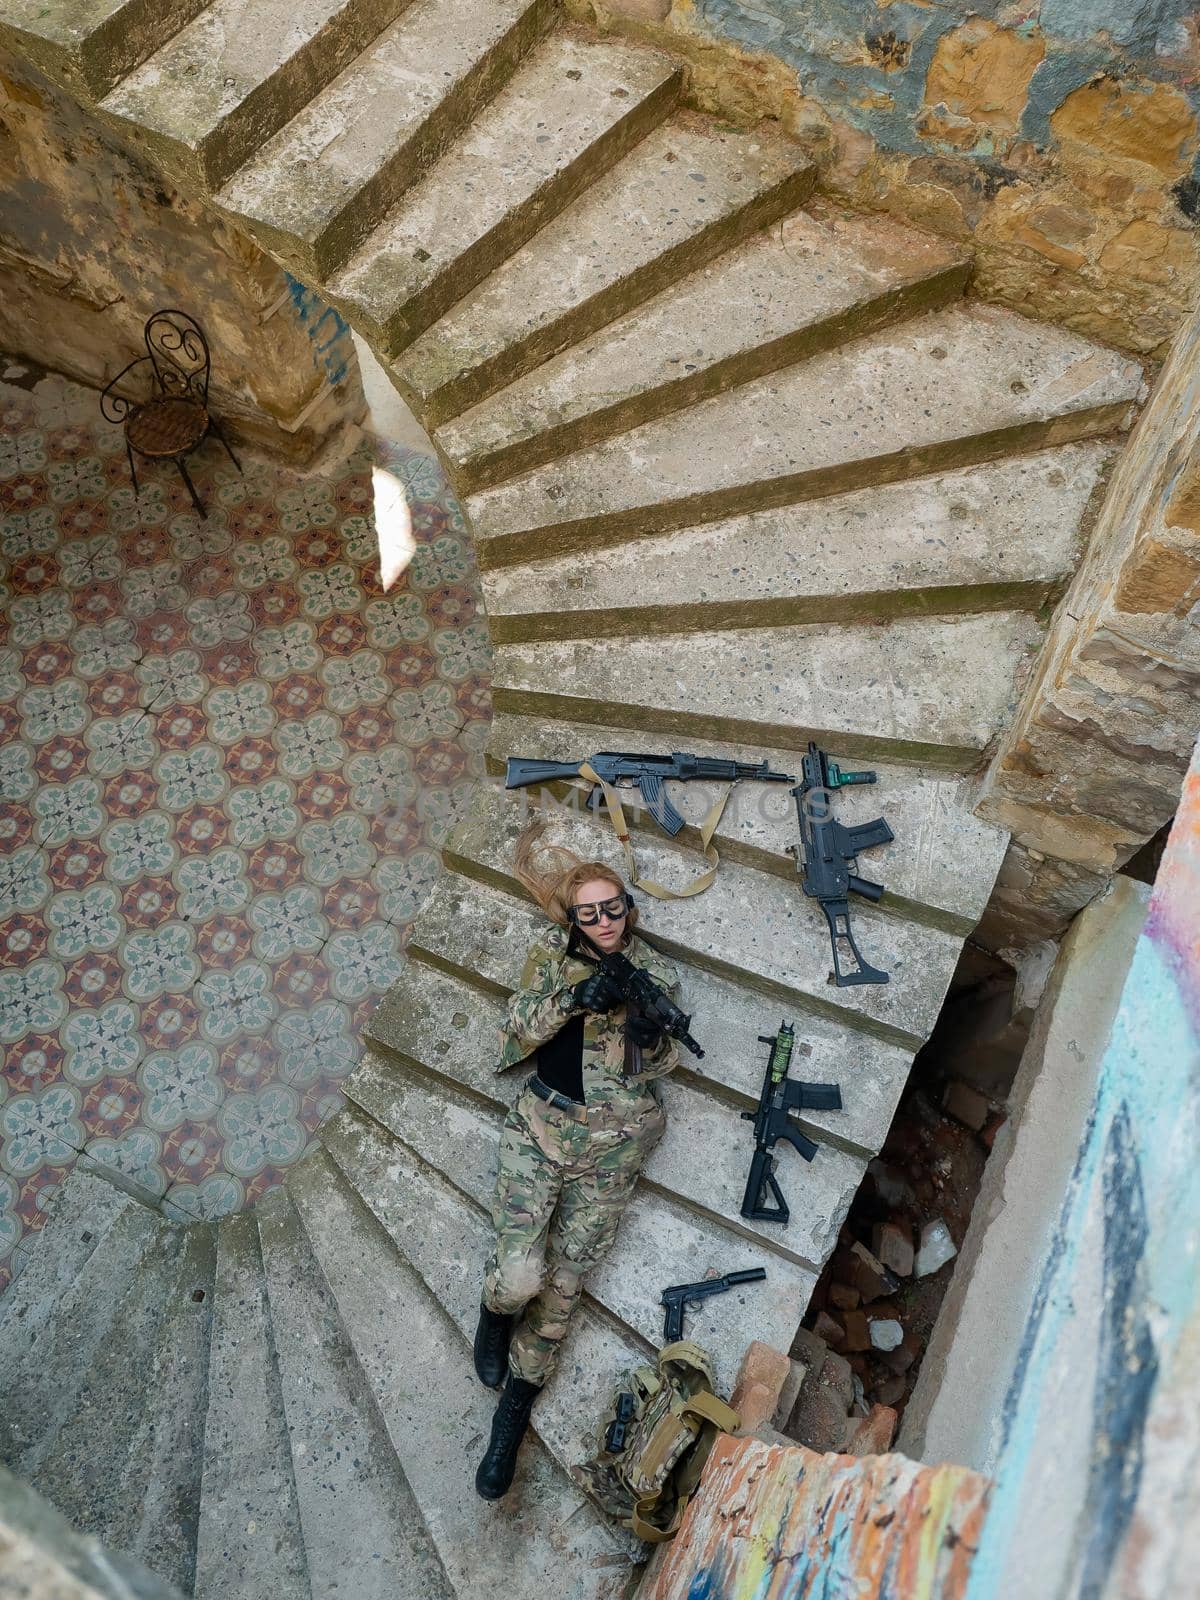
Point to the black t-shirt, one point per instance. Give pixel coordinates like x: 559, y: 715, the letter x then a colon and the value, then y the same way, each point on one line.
x: 560, y: 1059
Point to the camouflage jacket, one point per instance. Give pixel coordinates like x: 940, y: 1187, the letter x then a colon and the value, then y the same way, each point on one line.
x: 543, y: 1002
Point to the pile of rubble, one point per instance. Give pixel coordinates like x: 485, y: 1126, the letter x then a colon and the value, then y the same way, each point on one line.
x: 874, y: 1307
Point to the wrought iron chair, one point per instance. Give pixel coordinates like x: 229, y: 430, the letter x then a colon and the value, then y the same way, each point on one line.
x: 175, y: 420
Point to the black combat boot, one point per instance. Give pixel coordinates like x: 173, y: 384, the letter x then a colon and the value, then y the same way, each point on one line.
x: 496, y: 1470
x: 491, y: 1346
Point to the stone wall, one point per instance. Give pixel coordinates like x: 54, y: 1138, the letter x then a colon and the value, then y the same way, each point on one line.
x: 1091, y: 766
x: 92, y: 242
x: 1058, y: 137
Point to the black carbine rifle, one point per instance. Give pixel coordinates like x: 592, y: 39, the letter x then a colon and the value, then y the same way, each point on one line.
x: 830, y: 851
x: 772, y: 1122
x: 640, y: 990
x: 645, y: 773
x: 681, y: 1295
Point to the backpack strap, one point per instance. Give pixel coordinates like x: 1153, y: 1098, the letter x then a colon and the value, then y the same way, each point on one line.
x: 710, y: 1408
x: 647, y: 1530
x: 621, y: 828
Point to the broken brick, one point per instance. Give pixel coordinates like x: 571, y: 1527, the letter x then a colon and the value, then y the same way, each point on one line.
x: 890, y: 1390
x: 902, y: 1357
x: 965, y: 1105
x: 894, y: 1248
x: 857, y: 1334
x: 844, y: 1297
x: 871, y: 1435
x: 760, y: 1380
x: 830, y: 1329
x: 869, y: 1275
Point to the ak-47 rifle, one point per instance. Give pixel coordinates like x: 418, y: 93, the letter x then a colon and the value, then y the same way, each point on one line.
x: 772, y: 1122
x: 624, y: 770
x: 830, y: 851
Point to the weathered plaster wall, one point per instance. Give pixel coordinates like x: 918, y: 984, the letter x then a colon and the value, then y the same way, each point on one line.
x: 1059, y: 137
x: 956, y: 1411
x: 1096, y: 1474
x: 1091, y: 766
x: 92, y: 242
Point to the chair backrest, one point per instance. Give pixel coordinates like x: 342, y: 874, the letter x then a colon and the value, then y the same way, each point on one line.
x: 178, y: 352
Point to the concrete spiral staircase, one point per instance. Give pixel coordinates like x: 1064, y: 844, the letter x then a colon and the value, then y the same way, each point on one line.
x: 742, y: 470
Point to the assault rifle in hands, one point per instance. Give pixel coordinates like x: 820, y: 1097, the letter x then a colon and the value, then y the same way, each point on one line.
x: 830, y: 850
x: 645, y: 773
x: 639, y: 989
x: 772, y: 1122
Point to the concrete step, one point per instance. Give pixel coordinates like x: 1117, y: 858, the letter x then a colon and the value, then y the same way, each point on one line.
x: 81, y: 1214
x: 688, y: 192
x: 249, y: 1542
x: 574, y: 108
x: 750, y: 926
x: 939, y: 869
x: 42, y: 1557
x: 813, y: 281
x: 953, y: 388
x: 89, y: 47
x: 362, y: 1529
x: 211, y: 97
x: 934, y: 691
x: 438, y: 1416
x: 79, y: 1462
x: 710, y: 1189
x: 446, y: 1240
x: 729, y: 1018
x: 1004, y: 535
x: 53, y: 1363
x: 661, y: 1241
x: 152, y: 1513
x: 313, y: 193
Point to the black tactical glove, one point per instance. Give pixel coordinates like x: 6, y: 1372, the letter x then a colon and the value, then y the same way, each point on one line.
x: 598, y: 993
x: 643, y: 1031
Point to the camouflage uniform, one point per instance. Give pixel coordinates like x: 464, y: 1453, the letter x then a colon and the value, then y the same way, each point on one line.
x: 566, y: 1175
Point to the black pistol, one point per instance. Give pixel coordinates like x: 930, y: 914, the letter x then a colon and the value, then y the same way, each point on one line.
x: 681, y: 1295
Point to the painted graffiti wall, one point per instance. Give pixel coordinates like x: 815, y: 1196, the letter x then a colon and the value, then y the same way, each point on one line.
x: 1059, y: 137
x: 772, y: 1522
x: 1096, y: 1481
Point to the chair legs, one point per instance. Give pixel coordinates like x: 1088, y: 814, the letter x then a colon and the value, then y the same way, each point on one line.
x: 212, y: 425
x: 191, y: 489
x: 137, y: 493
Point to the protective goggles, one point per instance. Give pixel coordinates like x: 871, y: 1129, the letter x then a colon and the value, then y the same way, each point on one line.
x: 587, y: 916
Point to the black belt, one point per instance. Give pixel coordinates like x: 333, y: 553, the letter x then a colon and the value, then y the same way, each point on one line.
x: 552, y: 1097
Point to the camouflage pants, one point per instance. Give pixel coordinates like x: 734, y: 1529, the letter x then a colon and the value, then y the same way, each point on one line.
x: 565, y: 1179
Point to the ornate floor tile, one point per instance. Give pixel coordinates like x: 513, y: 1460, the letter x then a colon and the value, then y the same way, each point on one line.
x: 227, y: 761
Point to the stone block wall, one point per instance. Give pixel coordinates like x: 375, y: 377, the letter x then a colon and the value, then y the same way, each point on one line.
x: 1091, y: 766
x: 92, y: 242
x: 1059, y: 138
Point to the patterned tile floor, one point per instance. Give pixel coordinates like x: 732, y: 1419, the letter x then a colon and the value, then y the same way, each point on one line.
x: 227, y: 759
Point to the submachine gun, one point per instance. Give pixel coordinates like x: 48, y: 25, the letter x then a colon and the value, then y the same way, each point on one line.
x: 772, y: 1122
x: 624, y: 770
x: 830, y: 850
x: 639, y: 989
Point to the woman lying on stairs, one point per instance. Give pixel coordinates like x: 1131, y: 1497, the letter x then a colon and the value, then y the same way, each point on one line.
x: 575, y: 1140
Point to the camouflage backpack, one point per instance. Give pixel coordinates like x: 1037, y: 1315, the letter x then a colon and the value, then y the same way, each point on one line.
x: 656, y: 1439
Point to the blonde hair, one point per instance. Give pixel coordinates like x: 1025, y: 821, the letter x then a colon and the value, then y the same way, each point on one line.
x: 555, y: 888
